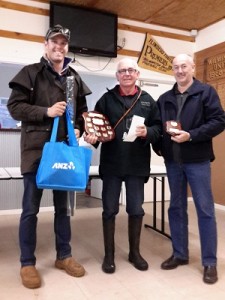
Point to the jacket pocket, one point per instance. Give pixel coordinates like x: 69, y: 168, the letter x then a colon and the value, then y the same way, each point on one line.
x: 34, y: 137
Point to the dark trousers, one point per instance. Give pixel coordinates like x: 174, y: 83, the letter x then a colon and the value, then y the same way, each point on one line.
x: 198, y: 175
x: 28, y: 222
x: 111, y: 194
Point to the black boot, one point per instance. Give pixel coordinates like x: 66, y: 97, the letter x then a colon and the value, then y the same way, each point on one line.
x: 108, y: 265
x: 134, y: 230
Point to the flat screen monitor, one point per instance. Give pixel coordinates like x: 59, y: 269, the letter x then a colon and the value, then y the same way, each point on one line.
x: 93, y: 32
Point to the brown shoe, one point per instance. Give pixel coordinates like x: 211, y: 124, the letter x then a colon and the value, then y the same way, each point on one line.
x: 30, y: 277
x: 210, y: 274
x: 173, y: 262
x: 71, y: 267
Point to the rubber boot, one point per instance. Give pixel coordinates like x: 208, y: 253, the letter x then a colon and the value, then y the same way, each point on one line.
x: 108, y: 265
x: 134, y: 231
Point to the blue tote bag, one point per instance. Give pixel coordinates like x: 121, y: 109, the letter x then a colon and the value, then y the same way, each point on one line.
x: 64, y: 166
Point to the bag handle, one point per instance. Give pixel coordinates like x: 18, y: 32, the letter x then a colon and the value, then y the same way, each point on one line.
x: 71, y: 135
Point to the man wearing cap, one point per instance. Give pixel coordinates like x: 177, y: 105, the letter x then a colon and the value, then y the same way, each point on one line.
x: 40, y: 93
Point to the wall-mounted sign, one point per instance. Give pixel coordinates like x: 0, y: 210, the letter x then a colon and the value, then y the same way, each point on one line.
x: 214, y: 71
x: 215, y: 67
x: 6, y: 121
x: 154, y: 58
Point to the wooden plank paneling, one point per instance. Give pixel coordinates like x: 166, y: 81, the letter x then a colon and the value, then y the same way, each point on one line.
x: 200, y: 57
x: 218, y: 166
x: 184, y: 15
x: 218, y: 169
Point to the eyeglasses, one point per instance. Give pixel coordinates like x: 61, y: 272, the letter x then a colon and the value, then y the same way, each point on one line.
x: 58, y: 29
x: 130, y: 71
x: 178, y: 68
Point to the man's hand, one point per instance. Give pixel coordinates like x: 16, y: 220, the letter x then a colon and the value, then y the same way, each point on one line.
x: 57, y: 109
x: 181, y: 137
x: 77, y: 133
x: 141, y: 131
x: 90, y: 138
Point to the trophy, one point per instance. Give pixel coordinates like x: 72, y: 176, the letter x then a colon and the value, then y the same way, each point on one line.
x: 173, y: 127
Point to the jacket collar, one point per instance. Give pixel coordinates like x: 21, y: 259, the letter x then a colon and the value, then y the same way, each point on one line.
x: 196, y: 87
x: 49, y: 64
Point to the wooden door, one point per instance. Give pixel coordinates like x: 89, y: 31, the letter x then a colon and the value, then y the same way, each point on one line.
x: 218, y: 169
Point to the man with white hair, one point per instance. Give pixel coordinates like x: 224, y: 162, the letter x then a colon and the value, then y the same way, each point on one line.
x: 126, y: 161
x: 192, y: 115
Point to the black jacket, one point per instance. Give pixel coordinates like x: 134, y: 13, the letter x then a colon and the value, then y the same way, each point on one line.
x: 202, y: 116
x: 35, y: 88
x: 128, y: 158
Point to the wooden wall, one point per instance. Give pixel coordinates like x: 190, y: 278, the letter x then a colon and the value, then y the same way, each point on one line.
x: 210, y: 68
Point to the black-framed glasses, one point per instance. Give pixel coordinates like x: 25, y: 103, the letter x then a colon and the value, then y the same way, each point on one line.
x: 130, y: 71
x: 58, y: 29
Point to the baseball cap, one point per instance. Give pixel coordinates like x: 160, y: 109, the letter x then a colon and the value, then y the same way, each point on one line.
x: 57, y: 30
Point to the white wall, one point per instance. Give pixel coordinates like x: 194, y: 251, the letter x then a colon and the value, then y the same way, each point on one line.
x: 210, y: 36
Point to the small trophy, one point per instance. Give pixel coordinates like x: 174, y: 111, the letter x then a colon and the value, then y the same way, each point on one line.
x: 173, y: 127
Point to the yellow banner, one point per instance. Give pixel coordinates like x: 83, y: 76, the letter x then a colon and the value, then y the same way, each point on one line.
x: 154, y: 58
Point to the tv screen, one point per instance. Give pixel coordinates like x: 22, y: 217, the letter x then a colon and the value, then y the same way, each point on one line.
x: 93, y: 32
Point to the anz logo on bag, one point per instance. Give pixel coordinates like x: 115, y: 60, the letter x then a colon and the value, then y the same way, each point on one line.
x: 64, y: 166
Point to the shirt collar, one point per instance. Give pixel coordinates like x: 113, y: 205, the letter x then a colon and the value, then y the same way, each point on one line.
x: 130, y: 94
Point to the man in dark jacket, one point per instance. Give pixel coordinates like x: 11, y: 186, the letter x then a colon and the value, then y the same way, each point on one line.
x: 40, y: 93
x: 192, y: 115
x: 126, y: 161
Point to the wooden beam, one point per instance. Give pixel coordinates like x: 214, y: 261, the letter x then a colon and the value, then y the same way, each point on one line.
x: 22, y: 36
x: 40, y: 39
x: 156, y: 32
x: 126, y: 52
x: 24, y: 8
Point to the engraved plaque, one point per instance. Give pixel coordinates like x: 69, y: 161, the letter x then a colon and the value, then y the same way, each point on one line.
x: 215, y: 67
x: 98, y: 124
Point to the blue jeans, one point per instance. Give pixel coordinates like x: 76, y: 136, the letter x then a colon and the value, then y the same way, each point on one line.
x: 28, y: 222
x: 198, y: 175
x: 111, y: 194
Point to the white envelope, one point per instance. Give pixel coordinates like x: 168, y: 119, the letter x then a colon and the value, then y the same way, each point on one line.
x: 136, y: 121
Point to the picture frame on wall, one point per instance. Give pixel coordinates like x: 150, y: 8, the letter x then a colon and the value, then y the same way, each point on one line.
x: 6, y: 121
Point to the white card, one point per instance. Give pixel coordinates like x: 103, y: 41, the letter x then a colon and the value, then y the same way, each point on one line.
x: 136, y: 121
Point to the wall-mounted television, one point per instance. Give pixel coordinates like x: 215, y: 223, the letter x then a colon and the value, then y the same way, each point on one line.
x: 93, y: 32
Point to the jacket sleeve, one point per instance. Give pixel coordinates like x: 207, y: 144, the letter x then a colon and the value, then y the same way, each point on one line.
x: 80, y: 108
x: 157, y: 144
x: 20, y: 103
x: 154, y: 124
x: 20, y: 108
x: 214, y: 117
x: 81, y: 102
x: 157, y: 147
